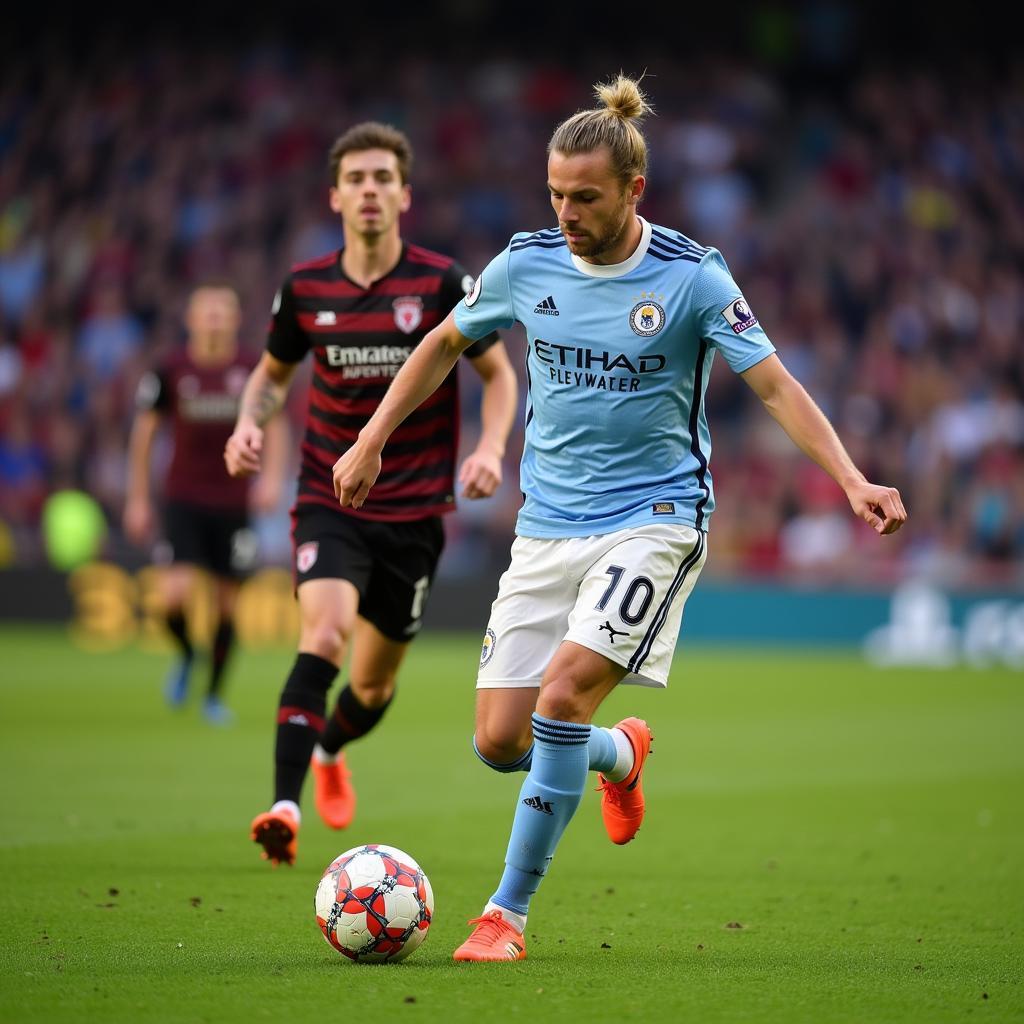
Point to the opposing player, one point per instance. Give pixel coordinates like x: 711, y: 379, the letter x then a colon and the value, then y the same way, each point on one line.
x: 362, y: 575
x: 623, y: 319
x: 205, y: 515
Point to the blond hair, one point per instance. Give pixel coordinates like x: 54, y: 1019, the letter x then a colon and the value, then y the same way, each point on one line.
x: 614, y: 124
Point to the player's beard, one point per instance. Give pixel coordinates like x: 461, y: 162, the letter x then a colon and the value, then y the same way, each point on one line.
x: 596, y: 246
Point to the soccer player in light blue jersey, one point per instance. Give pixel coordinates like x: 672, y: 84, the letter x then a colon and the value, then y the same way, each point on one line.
x: 623, y: 320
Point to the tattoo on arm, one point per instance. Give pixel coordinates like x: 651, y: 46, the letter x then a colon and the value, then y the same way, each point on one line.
x: 262, y: 401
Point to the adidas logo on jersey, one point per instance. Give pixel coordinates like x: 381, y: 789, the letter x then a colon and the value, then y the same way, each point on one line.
x: 326, y: 318
x: 547, y: 307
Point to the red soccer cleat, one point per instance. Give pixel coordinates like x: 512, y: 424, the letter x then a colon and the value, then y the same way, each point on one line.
x: 335, y: 795
x: 278, y: 833
x: 493, y: 939
x: 622, y: 803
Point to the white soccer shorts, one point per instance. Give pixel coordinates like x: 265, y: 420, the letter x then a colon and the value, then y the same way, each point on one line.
x: 620, y: 594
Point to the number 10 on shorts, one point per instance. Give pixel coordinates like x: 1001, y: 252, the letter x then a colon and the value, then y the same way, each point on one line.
x: 636, y: 599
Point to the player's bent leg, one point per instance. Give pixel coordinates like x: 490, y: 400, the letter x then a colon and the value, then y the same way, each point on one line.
x: 626, y: 747
x: 619, y: 753
x: 504, y: 738
x: 629, y: 608
x: 360, y: 707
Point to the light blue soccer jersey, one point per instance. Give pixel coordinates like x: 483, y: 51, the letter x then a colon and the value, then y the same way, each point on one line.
x: 617, y: 366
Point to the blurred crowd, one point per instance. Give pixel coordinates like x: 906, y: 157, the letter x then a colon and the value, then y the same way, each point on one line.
x: 876, y: 228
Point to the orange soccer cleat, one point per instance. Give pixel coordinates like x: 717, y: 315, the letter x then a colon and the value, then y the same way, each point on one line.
x: 278, y: 833
x: 622, y: 803
x: 335, y: 795
x: 493, y: 939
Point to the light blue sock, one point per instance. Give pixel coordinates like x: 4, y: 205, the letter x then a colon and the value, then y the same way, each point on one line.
x: 548, y: 799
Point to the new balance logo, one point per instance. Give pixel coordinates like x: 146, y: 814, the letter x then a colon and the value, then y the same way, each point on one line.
x: 537, y: 804
x: 612, y: 631
x: 547, y: 307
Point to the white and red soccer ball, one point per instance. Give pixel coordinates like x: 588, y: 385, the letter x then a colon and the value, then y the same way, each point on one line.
x: 374, y: 904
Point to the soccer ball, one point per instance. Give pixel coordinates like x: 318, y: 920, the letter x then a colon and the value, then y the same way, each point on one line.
x: 374, y: 904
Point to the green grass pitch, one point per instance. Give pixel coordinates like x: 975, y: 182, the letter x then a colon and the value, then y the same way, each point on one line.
x: 824, y: 842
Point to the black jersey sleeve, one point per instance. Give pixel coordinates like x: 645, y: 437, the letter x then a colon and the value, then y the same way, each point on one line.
x: 456, y: 284
x: 153, y: 393
x: 286, y: 340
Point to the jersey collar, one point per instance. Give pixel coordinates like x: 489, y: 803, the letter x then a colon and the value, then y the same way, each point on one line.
x: 617, y: 269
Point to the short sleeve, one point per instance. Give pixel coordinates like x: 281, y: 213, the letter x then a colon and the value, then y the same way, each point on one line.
x: 488, y: 304
x: 153, y: 393
x: 456, y: 285
x: 286, y: 340
x: 724, y: 318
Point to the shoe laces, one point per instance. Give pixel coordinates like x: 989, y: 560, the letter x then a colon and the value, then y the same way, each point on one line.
x: 612, y: 791
x: 491, y: 926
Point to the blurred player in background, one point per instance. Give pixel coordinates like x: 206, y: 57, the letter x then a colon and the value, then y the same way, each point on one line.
x: 205, y: 513
x: 362, y: 575
x: 623, y: 318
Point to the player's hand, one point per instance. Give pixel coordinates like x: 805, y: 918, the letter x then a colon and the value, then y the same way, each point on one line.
x: 243, y: 450
x: 880, y: 507
x: 355, y: 473
x: 138, y: 520
x: 480, y: 474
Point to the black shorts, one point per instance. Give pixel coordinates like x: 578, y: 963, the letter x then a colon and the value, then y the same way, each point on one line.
x: 391, y: 564
x: 219, y: 541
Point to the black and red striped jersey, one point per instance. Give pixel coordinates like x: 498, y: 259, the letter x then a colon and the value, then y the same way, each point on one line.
x: 360, y: 337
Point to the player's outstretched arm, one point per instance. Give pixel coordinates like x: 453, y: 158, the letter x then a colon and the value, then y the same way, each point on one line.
x: 797, y: 414
x: 262, y: 398
x: 431, y: 361
x: 138, y: 508
x: 480, y: 474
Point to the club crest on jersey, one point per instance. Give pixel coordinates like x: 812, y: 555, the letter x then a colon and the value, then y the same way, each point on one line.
x: 487, y: 651
x: 234, y: 380
x: 474, y: 293
x: 738, y: 315
x: 408, y: 313
x: 305, y: 555
x: 647, y: 318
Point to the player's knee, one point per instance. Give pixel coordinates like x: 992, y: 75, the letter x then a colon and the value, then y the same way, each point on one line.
x: 561, y: 700
x: 501, y: 747
x: 326, y: 637
x: 175, y: 591
x: 373, y: 691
